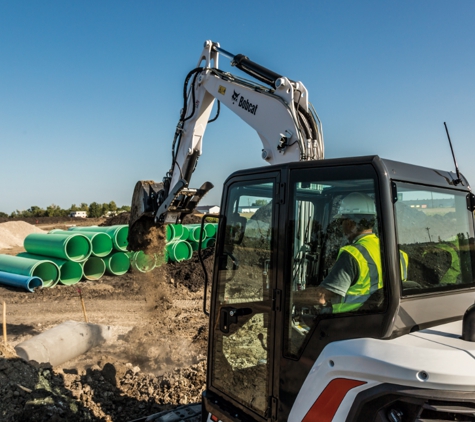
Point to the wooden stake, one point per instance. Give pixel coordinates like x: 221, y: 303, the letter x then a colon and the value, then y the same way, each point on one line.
x: 5, y: 323
x: 83, y: 306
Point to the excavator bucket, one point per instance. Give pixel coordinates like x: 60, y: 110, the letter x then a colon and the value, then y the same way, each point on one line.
x: 151, y: 209
x: 144, y: 200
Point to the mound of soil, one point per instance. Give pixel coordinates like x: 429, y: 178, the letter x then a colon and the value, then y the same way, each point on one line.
x: 117, y: 220
x: 104, y: 392
x: 13, y: 233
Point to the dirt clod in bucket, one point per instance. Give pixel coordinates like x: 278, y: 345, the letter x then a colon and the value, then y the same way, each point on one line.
x: 145, y: 236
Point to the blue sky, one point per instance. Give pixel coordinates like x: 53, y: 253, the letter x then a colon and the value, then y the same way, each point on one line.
x: 90, y: 91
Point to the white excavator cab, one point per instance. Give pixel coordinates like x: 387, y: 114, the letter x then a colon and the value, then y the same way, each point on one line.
x: 399, y: 355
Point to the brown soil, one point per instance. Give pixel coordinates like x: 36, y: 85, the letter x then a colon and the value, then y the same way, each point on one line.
x: 155, y: 360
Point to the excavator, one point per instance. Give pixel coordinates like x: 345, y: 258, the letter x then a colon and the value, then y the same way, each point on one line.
x: 404, y: 354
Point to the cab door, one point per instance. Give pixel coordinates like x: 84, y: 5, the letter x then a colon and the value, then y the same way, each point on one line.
x: 242, y: 328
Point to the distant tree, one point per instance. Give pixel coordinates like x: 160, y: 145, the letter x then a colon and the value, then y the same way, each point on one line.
x: 84, y: 207
x: 112, y: 206
x: 105, y: 209
x: 3, y: 214
x: 125, y: 208
x: 260, y: 202
x: 54, y: 211
x: 95, y: 210
x: 35, y: 211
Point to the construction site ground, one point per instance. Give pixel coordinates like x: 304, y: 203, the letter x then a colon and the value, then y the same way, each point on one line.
x: 155, y: 360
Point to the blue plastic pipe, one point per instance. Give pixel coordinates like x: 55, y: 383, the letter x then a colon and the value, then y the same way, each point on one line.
x: 23, y: 281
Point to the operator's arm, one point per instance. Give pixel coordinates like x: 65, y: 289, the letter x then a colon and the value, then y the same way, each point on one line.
x: 333, y: 289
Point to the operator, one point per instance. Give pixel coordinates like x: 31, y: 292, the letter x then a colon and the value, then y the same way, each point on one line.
x: 357, y: 272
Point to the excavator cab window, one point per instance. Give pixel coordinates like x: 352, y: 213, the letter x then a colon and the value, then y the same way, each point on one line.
x: 435, y: 237
x: 242, y: 335
x: 319, y: 239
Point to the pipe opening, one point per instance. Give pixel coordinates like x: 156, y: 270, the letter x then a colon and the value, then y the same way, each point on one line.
x: 48, y: 272
x: 117, y: 263
x: 94, y: 268
x: 78, y: 248
x: 101, y: 244
x: 70, y: 273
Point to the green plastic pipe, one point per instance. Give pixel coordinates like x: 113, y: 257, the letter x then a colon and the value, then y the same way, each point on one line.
x: 205, y: 243
x: 210, y: 229
x: 185, y: 233
x: 117, y: 263
x: 208, y: 243
x: 94, y: 268
x: 178, y: 250
x: 70, y: 272
x: 142, y: 262
x: 170, y: 234
x: 194, y: 245
x: 176, y: 232
x: 117, y: 233
x: 101, y: 243
x: 69, y: 246
x: 23, y: 281
x: 194, y: 232
x: 47, y: 270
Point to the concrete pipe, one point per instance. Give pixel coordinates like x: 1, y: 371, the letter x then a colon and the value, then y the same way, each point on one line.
x: 63, y: 342
x: 26, y: 282
x: 101, y: 242
x: 70, y: 272
x: 70, y: 246
x: 117, y: 233
x: 46, y: 269
x: 94, y: 268
x: 117, y: 263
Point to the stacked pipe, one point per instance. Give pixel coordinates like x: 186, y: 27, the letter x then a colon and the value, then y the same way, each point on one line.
x: 182, y: 240
x: 68, y: 256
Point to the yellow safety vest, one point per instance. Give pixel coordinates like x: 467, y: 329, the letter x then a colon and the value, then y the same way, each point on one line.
x: 404, y: 262
x: 452, y: 274
x: 367, y: 253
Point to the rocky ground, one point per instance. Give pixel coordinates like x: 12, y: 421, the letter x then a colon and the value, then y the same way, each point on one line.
x: 156, y: 358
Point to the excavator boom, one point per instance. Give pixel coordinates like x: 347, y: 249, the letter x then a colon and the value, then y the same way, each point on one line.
x: 280, y: 112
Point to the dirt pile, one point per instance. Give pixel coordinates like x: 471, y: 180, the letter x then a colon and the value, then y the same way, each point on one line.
x: 156, y: 361
x: 103, y: 392
x: 13, y: 233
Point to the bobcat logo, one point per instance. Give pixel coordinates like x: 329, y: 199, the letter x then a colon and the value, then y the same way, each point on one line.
x: 235, y: 96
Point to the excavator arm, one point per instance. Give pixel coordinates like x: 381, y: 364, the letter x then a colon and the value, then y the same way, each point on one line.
x: 280, y: 112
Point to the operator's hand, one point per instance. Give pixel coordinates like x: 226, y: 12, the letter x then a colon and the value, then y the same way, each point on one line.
x: 313, y: 296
